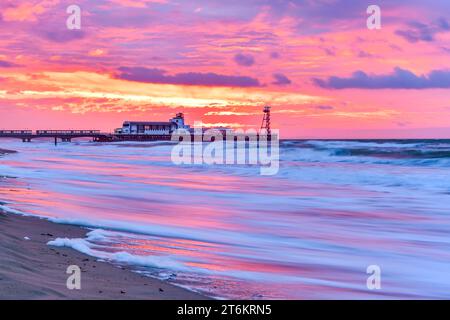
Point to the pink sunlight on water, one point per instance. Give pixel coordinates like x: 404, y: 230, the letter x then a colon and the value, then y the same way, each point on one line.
x: 311, y: 231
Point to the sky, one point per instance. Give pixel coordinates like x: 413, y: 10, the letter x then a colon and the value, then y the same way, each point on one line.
x: 316, y: 63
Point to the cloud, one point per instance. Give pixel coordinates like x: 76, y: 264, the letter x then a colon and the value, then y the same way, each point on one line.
x: 27, y: 10
x: 63, y: 35
x: 399, y: 79
x: 231, y: 113
x: 6, y: 64
x: 324, y: 107
x: 97, y: 52
x: 419, y: 31
x: 443, y: 24
x: 281, y: 79
x: 245, y: 60
x: 274, y: 55
x: 330, y: 51
x: 137, y: 3
x: 154, y: 75
x: 364, y: 54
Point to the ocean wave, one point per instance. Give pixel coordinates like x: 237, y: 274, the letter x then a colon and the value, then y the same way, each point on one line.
x: 88, y: 247
x: 397, y: 152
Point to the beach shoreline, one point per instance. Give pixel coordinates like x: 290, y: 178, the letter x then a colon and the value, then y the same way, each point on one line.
x: 31, y: 269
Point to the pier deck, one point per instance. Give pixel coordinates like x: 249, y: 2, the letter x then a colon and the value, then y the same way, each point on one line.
x: 68, y: 135
x: 63, y: 135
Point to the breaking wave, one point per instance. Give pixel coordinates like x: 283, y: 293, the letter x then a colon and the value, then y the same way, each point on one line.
x: 397, y: 152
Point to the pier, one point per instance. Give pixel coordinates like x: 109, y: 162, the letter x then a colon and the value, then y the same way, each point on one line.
x: 63, y: 135
x: 68, y: 135
x: 134, y: 131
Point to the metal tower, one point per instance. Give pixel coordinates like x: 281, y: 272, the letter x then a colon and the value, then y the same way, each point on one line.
x: 266, y: 120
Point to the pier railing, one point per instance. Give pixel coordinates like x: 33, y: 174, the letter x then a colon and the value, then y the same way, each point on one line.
x: 67, y: 132
x: 64, y: 135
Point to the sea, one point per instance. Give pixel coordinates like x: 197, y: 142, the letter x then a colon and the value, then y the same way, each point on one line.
x: 335, y: 210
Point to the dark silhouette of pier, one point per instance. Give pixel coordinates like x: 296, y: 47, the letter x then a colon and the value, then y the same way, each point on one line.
x: 63, y: 135
x: 98, y: 136
x: 68, y: 135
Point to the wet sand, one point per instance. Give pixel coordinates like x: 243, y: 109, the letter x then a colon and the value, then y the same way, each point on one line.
x: 30, y: 269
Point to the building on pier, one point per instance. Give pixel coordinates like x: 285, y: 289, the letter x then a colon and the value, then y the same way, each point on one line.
x: 153, y: 128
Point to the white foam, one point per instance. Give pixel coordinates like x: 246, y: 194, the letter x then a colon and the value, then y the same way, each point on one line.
x: 85, y: 246
x: 77, y: 244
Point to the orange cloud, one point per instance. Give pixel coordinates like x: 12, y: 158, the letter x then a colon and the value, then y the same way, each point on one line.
x: 27, y: 10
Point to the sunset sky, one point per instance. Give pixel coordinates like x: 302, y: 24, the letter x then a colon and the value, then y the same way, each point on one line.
x: 325, y: 74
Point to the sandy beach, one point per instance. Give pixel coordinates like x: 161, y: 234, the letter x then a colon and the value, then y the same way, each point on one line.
x: 31, y: 269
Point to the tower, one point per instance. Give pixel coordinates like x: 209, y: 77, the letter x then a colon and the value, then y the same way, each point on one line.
x: 179, y: 120
x: 266, y: 120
